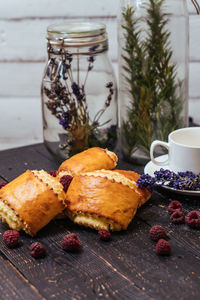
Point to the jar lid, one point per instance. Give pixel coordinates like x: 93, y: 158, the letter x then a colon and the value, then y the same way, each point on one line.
x: 77, y: 34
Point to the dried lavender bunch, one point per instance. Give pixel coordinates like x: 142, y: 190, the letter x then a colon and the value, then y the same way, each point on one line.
x: 67, y: 101
x: 179, y: 181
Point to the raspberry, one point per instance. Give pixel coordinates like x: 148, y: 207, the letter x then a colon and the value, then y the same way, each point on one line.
x: 157, y: 232
x: 104, y: 235
x: 173, y: 206
x: 178, y: 217
x: 163, y: 247
x: 65, y: 181
x: 37, y: 250
x: 53, y: 173
x: 70, y: 243
x: 2, y: 184
x: 193, y: 219
x: 11, y: 238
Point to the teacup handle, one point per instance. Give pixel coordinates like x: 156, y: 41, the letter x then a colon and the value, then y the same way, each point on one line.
x: 153, y: 146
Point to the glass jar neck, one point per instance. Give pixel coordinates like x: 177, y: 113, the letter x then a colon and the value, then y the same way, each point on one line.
x: 77, y: 38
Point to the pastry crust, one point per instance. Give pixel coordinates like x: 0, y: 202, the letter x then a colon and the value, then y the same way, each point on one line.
x: 104, y: 199
x: 144, y: 193
x: 89, y: 160
x: 31, y: 200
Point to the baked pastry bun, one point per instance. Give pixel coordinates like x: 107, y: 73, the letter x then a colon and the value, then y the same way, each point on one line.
x: 31, y: 200
x: 104, y: 199
x: 144, y: 193
x: 89, y: 160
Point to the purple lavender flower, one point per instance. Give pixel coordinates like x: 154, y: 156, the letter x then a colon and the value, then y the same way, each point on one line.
x: 108, y: 100
x: 146, y: 181
x: 69, y: 57
x: 91, y: 59
x: 180, y: 181
x: 65, y: 121
x: 186, y: 174
x: 111, y: 91
x: 166, y: 175
x: 93, y: 48
x: 90, y: 67
x: 77, y: 91
x: 109, y: 84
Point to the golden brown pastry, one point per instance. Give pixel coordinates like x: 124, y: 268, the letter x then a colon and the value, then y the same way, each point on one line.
x: 31, y: 200
x: 89, y: 160
x: 144, y: 193
x: 104, y: 199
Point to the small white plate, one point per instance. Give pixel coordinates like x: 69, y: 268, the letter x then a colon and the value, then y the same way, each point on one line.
x: 150, y: 168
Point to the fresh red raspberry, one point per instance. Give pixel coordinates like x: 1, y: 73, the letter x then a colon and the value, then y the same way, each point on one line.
x: 178, y: 217
x: 163, y: 247
x: 70, y: 242
x: 173, y: 206
x: 65, y: 181
x: 193, y: 219
x: 104, y: 235
x: 2, y: 184
x: 157, y: 232
x: 53, y: 173
x: 37, y: 250
x: 11, y: 238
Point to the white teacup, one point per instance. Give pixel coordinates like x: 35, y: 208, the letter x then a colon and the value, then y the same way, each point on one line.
x: 183, y: 150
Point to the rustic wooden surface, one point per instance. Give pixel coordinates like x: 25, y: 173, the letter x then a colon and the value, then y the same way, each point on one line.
x: 124, y: 268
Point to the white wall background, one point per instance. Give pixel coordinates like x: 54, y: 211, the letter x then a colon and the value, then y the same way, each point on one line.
x: 23, y: 51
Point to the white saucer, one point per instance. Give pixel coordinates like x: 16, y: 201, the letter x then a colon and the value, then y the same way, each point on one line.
x: 150, y: 168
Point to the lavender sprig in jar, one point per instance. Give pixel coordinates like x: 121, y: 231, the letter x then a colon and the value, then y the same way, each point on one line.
x: 78, y: 90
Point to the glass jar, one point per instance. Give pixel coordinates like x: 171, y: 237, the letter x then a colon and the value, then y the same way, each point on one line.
x: 153, y: 73
x: 79, y: 97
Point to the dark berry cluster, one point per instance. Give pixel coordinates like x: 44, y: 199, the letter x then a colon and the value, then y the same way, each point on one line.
x: 174, y: 206
x: 177, y: 215
x: 104, y: 235
x: 192, y: 219
x: 53, y: 173
x: 65, y: 181
x: 11, y: 238
x: 163, y: 247
x: 2, y: 184
x: 157, y: 233
x: 70, y: 243
x: 179, y: 181
x: 37, y: 250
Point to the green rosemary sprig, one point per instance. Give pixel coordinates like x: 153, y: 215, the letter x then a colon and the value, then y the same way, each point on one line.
x: 135, y: 77
x: 154, y: 109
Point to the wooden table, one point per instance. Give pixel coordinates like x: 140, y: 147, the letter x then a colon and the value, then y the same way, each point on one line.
x: 124, y: 268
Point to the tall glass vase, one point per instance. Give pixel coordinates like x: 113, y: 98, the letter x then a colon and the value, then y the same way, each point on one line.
x: 153, y: 73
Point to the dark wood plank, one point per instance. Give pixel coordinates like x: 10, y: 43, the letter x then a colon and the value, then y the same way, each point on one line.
x: 132, y: 253
x: 125, y: 268
x: 63, y: 275
x: 13, y: 162
x: 13, y: 285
